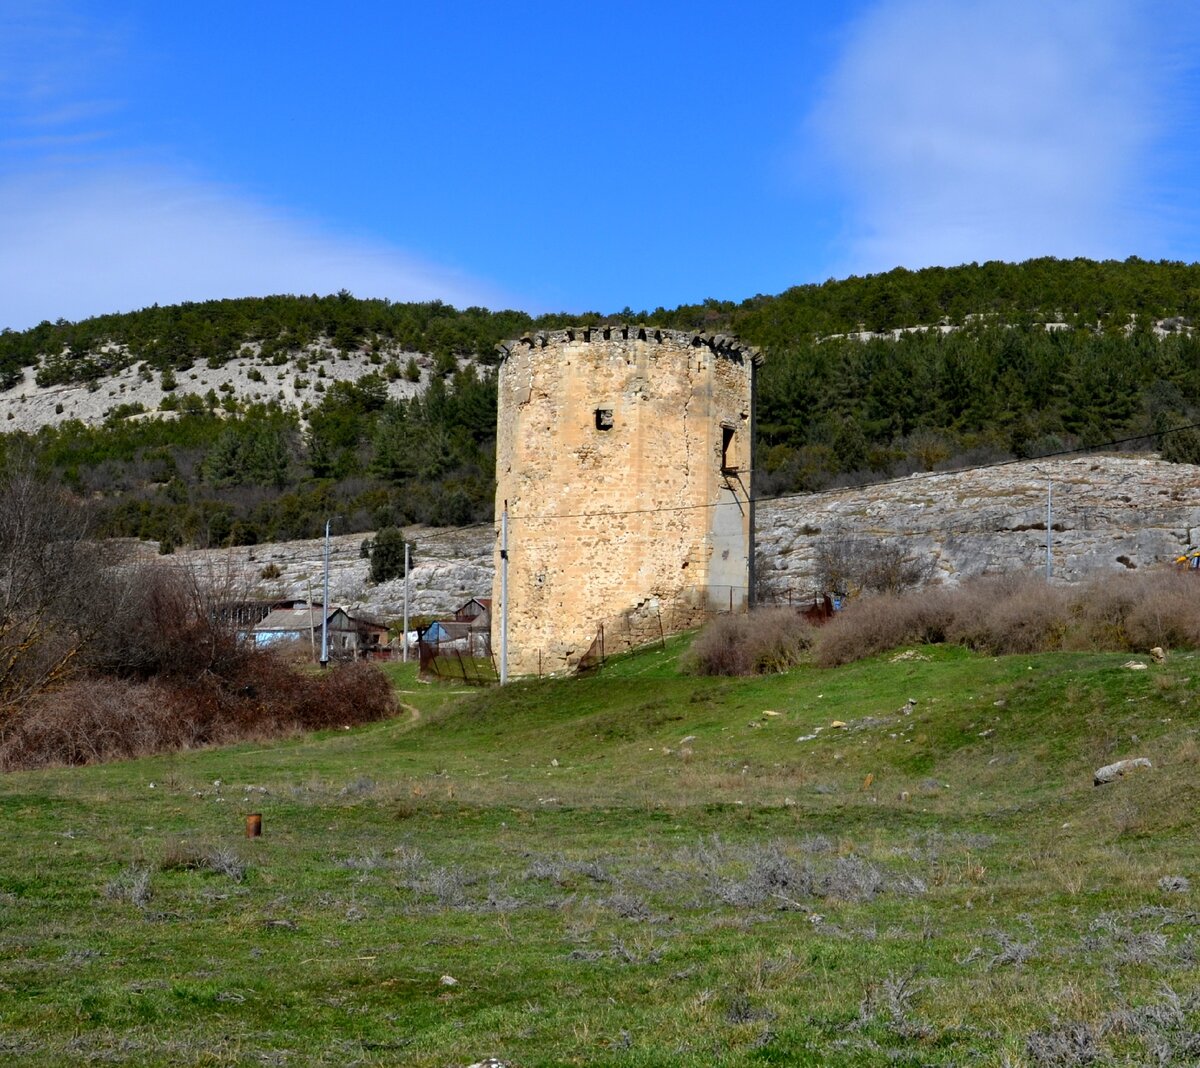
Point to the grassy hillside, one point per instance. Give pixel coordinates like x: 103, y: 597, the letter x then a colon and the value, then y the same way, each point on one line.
x: 637, y: 868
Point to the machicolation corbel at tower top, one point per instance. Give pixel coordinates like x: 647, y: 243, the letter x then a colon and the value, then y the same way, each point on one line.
x: 726, y: 344
x: 624, y: 457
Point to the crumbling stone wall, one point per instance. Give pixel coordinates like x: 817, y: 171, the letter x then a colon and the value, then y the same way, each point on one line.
x: 624, y: 457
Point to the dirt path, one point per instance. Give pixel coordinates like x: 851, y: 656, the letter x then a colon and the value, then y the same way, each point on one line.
x: 414, y: 717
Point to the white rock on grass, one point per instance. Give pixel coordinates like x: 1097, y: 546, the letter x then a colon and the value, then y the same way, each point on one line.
x: 1114, y: 772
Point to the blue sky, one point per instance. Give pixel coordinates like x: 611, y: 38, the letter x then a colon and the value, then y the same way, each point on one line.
x: 561, y: 156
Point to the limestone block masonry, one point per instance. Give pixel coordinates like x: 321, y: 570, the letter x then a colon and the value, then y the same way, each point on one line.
x: 623, y: 456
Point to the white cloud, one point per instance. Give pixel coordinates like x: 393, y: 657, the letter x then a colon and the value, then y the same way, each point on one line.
x: 76, y: 245
x: 996, y: 129
x: 50, y: 57
x: 88, y: 226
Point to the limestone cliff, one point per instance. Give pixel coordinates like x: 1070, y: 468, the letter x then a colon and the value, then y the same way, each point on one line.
x: 1110, y: 513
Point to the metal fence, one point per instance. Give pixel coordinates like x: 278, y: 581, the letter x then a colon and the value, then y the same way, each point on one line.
x: 468, y: 659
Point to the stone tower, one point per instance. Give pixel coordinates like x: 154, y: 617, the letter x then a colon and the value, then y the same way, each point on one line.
x: 624, y: 456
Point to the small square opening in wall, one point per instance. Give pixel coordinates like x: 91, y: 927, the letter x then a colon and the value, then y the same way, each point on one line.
x: 604, y: 419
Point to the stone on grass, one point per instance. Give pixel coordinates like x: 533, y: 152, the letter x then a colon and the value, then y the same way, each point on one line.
x: 1157, y: 654
x: 1174, y: 884
x: 1114, y: 772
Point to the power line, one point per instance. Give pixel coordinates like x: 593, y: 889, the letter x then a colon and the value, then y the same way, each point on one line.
x: 864, y: 485
x: 451, y: 531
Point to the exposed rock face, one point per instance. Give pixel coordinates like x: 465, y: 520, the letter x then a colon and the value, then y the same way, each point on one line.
x: 1109, y: 514
x: 247, y: 378
x: 449, y: 568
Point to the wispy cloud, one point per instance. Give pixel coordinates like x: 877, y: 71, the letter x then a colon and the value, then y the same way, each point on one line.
x: 54, y: 64
x: 967, y: 130
x: 125, y: 238
x: 88, y: 224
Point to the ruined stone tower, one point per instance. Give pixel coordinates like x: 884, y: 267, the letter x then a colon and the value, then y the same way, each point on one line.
x: 624, y: 456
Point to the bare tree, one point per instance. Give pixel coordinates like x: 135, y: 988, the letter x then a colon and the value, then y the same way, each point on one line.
x: 51, y: 583
x: 847, y: 566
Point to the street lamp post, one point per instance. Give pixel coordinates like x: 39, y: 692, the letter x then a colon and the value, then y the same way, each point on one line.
x: 325, y: 600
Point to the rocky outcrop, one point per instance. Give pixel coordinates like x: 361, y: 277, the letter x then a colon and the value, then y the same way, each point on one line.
x: 450, y: 566
x: 245, y: 377
x: 1110, y: 513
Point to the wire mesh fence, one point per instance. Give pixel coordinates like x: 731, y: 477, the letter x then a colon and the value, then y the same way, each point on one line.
x: 470, y: 658
x: 466, y: 659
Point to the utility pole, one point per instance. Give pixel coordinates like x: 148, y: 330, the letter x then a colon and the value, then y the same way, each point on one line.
x: 325, y: 603
x: 406, y: 600
x: 504, y: 595
x: 1049, y: 531
x: 312, y: 629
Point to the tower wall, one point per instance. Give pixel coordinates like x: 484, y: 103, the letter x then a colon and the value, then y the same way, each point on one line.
x: 624, y: 457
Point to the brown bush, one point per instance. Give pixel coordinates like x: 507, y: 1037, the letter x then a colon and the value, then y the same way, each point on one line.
x: 1006, y: 615
x: 872, y: 625
x: 53, y: 593
x: 166, y: 625
x: 98, y: 719
x: 763, y: 641
x: 1168, y: 613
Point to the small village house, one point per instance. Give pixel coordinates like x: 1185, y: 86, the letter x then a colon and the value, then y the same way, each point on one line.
x: 468, y: 632
x: 477, y: 611
x: 349, y: 635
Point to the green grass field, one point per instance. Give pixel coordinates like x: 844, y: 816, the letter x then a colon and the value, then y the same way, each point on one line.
x: 634, y: 868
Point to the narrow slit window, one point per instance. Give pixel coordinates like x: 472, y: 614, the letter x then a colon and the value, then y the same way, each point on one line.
x: 604, y: 419
x: 726, y: 443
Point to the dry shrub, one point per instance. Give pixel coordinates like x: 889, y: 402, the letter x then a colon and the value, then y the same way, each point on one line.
x: 1168, y: 612
x: 221, y: 860
x: 760, y: 642
x: 93, y: 720
x: 1020, y: 614
x: 848, y: 565
x: 167, y: 626
x: 98, y: 719
x: 343, y: 695
x: 1008, y: 614
x: 874, y: 624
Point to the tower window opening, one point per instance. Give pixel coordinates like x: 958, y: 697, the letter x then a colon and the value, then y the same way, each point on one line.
x: 726, y: 442
x: 604, y: 419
